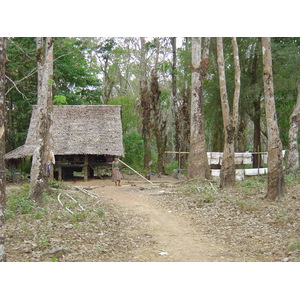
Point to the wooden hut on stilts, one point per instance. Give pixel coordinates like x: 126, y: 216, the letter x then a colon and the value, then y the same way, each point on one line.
x: 84, y: 137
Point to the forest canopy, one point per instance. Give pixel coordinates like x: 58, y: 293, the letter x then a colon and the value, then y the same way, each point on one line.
x: 108, y: 70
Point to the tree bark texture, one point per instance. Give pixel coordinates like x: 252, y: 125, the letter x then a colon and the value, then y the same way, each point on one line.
x: 175, y: 105
x: 276, y: 184
x: 42, y: 154
x: 227, y: 176
x: 184, y: 113
x: 198, y: 162
x: 145, y: 105
x: 257, y: 161
x: 2, y: 149
x: 293, y: 153
x: 159, y: 122
x: 50, y: 160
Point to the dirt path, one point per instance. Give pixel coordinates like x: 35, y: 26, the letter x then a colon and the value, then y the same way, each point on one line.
x: 167, y: 222
x: 174, y: 239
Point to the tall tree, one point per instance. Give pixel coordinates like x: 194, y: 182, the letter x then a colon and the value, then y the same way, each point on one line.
x: 230, y: 121
x: 198, y: 162
x: 183, y: 83
x: 175, y: 104
x: 159, y: 113
x: 2, y: 148
x: 293, y: 152
x: 257, y: 110
x: 276, y: 184
x: 42, y: 154
x: 145, y: 105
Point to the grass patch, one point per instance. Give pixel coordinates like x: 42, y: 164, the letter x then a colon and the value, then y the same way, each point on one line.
x: 254, y: 182
x: 101, y: 212
x: 244, y: 205
x: 296, y: 245
x: 204, y: 190
x: 18, y: 202
x: 292, y: 178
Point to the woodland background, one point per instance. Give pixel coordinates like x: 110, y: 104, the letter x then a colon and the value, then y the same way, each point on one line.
x: 110, y: 70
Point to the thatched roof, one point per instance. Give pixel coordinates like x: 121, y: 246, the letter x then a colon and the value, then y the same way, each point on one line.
x: 78, y: 129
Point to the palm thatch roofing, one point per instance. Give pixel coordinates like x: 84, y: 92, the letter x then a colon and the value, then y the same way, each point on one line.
x: 78, y: 129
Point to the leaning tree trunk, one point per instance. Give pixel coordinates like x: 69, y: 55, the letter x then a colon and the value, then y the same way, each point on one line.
x: 293, y: 153
x: 145, y: 105
x: 227, y: 176
x: 41, y: 156
x: 198, y: 162
x: 2, y: 149
x: 276, y: 185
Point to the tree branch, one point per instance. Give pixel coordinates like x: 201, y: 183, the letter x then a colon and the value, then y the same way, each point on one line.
x: 15, y: 87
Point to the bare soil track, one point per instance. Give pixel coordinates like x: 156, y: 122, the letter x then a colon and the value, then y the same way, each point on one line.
x: 173, y: 237
x: 167, y: 222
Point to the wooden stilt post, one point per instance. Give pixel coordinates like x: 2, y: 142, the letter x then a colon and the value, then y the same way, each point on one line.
x: 86, y: 168
x: 51, y: 177
x: 59, y: 168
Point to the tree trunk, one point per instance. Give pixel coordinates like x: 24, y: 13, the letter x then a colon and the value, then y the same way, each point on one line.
x: 145, y: 104
x: 257, y: 161
x: 293, y: 153
x: 184, y: 112
x: 49, y: 144
x: 2, y: 149
x: 42, y: 156
x: 174, y: 96
x: 198, y: 162
x: 159, y: 122
x: 160, y: 115
x: 227, y: 176
x: 241, y: 138
x: 185, y: 126
x: 256, y: 137
x: 276, y: 184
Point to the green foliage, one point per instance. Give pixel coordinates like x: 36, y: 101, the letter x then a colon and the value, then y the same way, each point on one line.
x: 41, y: 241
x: 134, y: 149
x: 79, y: 216
x: 244, y: 205
x: 170, y: 167
x: 18, y: 202
x: 295, y: 245
x: 129, y: 114
x: 54, y: 184
x: 205, y: 192
x: 85, y: 69
x: 39, y: 215
x: 101, y: 212
x: 60, y: 100
x: 292, y: 178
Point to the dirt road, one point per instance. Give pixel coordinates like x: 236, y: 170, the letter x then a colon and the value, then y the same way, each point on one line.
x: 174, y: 238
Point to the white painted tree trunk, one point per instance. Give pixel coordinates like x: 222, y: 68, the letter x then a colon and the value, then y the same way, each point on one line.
x: 42, y: 154
x: 293, y: 153
x: 2, y: 149
x: 198, y: 163
x: 276, y: 185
